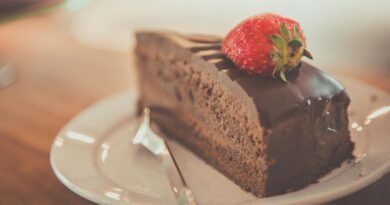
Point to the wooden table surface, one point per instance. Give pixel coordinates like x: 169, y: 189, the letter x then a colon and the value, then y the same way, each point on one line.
x: 57, y: 77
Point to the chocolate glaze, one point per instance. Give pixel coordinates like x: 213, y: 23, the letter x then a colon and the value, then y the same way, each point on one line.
x: 305, y: 119
x: 272, y: 96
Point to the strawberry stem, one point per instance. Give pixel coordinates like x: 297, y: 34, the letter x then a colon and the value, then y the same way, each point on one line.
x: 289, y: 49
x: 307, y: 54
x: 295, y: 43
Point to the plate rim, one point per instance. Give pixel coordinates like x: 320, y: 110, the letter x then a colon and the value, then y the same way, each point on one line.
x: 318, y: 198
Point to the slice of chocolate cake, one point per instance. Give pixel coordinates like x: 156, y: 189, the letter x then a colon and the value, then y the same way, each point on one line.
x: 267, y: 135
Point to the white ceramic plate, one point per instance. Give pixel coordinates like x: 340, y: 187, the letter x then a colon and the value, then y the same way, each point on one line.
x: 93, y: 156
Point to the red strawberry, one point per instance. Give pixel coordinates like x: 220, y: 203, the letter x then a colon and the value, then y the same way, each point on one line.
x: 266, y: 44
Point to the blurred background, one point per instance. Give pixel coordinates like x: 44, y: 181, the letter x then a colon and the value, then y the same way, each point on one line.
x: 339, y: 33
x: 59, y: 56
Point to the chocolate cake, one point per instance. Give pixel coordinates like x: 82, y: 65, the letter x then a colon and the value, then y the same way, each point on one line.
x: 268, y: 136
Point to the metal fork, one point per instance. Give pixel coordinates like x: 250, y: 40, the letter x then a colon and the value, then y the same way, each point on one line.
x: 158, y: 146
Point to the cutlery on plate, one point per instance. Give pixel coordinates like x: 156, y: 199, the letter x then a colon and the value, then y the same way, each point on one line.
x: 158, y: 146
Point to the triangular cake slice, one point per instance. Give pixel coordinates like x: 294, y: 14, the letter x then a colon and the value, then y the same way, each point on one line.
x: 267, y: 135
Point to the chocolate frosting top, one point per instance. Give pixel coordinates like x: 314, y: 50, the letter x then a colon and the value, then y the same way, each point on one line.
x: 305, y: 86
x: 272, y: 96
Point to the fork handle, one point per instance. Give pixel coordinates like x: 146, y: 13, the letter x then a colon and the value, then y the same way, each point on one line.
x: 185, y: 197
x: 182, y: 192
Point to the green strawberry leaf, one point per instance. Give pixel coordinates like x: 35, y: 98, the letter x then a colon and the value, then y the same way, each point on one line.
x: 283, y: 76
x: 278, y: 41
x: 274, y: 71
x: 284, y: 31
x: 278, y: 68
x: 272, y: 55
x: 275, y: 56
x: 296, y: 32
